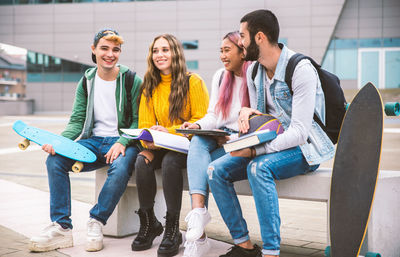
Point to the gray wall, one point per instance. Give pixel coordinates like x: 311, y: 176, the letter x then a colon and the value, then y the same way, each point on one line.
x: 16, y: 107
x: 67, y: 30
x: 51, y: 96
x: 369, y: 19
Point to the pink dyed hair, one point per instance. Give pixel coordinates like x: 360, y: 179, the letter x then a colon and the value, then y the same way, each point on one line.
x: 226, y: 88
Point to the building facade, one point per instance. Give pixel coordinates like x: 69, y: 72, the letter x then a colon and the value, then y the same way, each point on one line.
x: 12, y: 77
x: 359, y: 40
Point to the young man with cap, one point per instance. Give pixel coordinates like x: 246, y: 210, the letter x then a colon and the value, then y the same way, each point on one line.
x: 100, y: 109
x: 298, y: 150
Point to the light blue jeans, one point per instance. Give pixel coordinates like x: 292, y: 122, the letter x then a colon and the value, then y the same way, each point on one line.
x: 261, y: 173
x: 202, y: 151
x: 120, y: 170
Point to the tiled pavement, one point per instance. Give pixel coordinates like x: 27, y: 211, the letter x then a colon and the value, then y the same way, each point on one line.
x: 24, y: 204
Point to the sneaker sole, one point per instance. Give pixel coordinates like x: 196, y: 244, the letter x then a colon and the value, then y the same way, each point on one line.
x: 37, y: 247
x: 94, y: 246
x: 202, y: 249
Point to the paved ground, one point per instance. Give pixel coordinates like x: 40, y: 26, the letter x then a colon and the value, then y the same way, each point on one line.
x: 304, y: 224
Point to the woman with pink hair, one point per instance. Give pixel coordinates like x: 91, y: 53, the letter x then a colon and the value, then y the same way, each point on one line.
x: 228, y: 95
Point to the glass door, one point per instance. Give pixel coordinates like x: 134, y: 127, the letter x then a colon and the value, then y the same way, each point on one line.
x: 392, y: 68
x: 369, y: 68
x: 381, y: 66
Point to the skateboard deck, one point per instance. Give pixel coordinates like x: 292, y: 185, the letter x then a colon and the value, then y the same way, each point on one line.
x: 355, y: 172
x: 62, y: 145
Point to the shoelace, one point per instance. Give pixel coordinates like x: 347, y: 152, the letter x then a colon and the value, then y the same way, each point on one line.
x: 233, y: 249
x: 47, y: 231
x: 94, y: 227
x: 192, y: 248
x: 170, y: 230
x: 48, y: 228
x: 191, y: 219
x: 144, y: 225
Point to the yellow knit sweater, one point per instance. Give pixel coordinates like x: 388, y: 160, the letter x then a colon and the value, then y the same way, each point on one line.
x: 156, y: 111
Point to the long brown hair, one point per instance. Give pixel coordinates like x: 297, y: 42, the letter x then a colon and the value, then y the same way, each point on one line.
x: 179, y: 84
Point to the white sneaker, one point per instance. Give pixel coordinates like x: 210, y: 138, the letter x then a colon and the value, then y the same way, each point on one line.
x: 197, y: 248
x: 197, y: 219
x: 52, y: 237
x: 94, y: 236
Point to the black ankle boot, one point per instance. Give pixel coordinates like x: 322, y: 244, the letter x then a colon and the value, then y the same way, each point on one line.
x: 172, y: 237
x: 150, y: 227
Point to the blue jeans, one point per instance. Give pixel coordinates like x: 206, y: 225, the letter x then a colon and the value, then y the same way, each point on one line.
x: 118, y: 176
x: 261, y: 173
x: 202, y: 151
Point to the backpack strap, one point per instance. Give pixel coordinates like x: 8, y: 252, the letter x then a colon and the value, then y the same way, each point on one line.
x: 129, y: 80
x: 292, y: 63
x: 291, y: 66
x: 221, y: 77
x: 84, y: 85
x: 254, y: 71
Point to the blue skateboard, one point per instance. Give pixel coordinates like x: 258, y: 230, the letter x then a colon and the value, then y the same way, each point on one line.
x: 62, y: 145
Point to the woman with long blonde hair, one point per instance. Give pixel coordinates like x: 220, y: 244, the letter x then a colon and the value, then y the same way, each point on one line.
x: 170, y: 96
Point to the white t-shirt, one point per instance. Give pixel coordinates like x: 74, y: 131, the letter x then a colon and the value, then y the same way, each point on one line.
x: 105, y: 109
x: 270, y: 105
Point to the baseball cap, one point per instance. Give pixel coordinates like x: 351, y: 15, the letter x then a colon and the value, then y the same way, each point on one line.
x: 109, y: 34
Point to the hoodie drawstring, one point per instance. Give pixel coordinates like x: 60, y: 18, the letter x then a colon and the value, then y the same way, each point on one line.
x: 120, y: 91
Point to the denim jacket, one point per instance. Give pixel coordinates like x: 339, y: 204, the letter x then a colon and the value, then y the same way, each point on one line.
x: 318, y: 147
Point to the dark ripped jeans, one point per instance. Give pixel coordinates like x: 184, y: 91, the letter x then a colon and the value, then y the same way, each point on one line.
x: 171, y: 164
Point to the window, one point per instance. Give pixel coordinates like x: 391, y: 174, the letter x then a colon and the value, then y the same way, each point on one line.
x: 192, y: 65
x: 6, y: 2
x: 190, y: 44
x: 392, y: 68
x: 367, y: 59
x: 47, y: 68
x: 282, y: 40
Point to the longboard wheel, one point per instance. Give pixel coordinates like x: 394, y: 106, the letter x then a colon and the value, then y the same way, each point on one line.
x: 77, y: 167
x: 392, y: 109
x: 327, y: 252
x: 371, y: 254
x: 24, y: 144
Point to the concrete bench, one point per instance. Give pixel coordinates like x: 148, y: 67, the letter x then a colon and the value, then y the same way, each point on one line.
x: 384, y: 223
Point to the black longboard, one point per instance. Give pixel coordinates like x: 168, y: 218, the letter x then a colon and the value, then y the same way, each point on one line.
x: 355, y: 172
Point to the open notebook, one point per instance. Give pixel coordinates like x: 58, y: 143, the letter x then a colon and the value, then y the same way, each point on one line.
x: 161, y: 139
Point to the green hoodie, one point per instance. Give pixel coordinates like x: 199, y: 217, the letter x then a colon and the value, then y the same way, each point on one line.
x: 81, y: 120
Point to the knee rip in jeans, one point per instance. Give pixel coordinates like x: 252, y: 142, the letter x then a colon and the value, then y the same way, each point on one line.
x: 210, y: 172
x: 144, y: 159
x: 253, y: 168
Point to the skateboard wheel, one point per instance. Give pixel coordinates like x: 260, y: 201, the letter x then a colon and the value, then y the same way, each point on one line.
x: 327, y: 252
x: 77, y: 167
x: 392, y: 109
x: 347, y: 106
x: 371, y: 254
x: 24, y: 144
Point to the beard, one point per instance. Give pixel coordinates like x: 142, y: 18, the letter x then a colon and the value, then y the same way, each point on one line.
x: 252, y: 51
